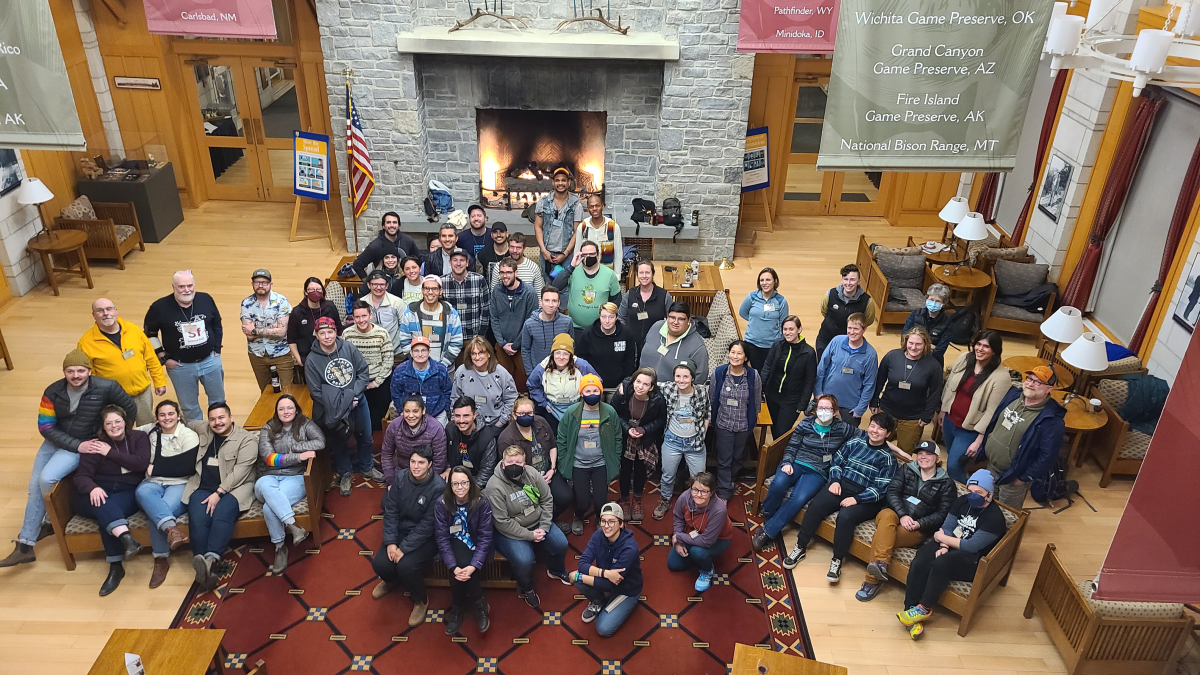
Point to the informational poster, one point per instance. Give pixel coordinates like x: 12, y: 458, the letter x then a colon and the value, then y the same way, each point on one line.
x: 787, y: 26
x: 212, y: 18
x: 310, y: 165
x: 931, y: 85
x: 756, y: 171
x: 37, y: 109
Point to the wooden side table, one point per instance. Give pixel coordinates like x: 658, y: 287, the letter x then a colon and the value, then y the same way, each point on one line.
x: 63, y: 243
x: 1079, y: 422
x: 349, y: 284
x: 264, y: 408
x: 176, y: 651
x: 967, y: 280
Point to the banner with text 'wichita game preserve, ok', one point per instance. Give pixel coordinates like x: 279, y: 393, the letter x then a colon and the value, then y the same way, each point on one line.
x: 924, y: 85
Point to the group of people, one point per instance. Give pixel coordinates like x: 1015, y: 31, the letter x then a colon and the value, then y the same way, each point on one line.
x: 479, y: 457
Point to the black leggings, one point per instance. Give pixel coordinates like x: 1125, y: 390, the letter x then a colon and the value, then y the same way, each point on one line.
x: 784, y: 414
x: 560, y: 490
x: 757, y: 356
x: 591, y: 489
x: 633, y: 477
x: 930, y: 573
x: 463, y: 593
x: 849, y: 517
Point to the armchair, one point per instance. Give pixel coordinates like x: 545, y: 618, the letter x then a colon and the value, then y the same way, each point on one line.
x: 113, y: 233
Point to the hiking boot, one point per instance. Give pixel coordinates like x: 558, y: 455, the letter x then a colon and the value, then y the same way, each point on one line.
x: 834, y: 574
x: 344, y: 484
x: 759, y: 541
x: 281, y: 556
x: 565, y: 577
x: 704, y: 581
x: 454, y: 619
x: 878, y: 570
x: 868, y: 591
x: 913, y: 615
x: 664, y: 505
x: 132, y: 547
x: 420, y: 609
x: 531, y: 598
x: 637, y: 509
x: 381, y: 589
x: 175, y: 537
x: 374, y: 474
x: 481, y: 615
x: 299, y: 534
x: 21, y: 554
x: 159, y: 574
x: 591, y: 612
x: 794, y: 557
x: 577, y: 526
x: 116, y: 572
x: 46, y: 531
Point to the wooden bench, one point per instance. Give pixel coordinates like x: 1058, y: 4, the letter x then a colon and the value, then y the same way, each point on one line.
x: 79, y: 534
x: 496, y: 572
x: 961, y: 597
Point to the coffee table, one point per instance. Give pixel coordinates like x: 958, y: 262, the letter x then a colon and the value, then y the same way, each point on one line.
x: 264, y: 408
x: 967, y: 279
x: 700, y: 296
x: 177, y: 651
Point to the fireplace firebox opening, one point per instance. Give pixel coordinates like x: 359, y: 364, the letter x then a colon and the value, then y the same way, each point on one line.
x: 520, y: 149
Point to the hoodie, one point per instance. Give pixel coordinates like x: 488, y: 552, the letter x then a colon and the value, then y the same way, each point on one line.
x: 509, y: 310
x: 537, y: 335
x: 663, y: 357
x: 400, y: 439
x: 335, y: 380
x: 373, y: 254
x: 611, y: 355
x: 522, y: 506
x: 614, y: 555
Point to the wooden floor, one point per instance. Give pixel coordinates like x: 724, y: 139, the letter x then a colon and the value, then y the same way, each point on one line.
x: 52, y: 621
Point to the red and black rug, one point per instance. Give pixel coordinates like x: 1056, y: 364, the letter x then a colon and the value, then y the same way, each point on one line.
x: 318, y: 618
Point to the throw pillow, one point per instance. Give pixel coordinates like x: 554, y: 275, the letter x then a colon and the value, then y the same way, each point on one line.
x: 80, y: 209
x: 902, y: 271
x: 1013, y: 253
x: 1013, y: 278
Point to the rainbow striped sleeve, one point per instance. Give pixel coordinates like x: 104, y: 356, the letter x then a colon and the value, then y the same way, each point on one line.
x: 46, y: 416
x: 274, y: 459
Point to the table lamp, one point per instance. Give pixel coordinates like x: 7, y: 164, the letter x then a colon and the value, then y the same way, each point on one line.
x: 1087, y: 353
x: 1063, y: 327
x: 34, y: 191
x: 970, y: 228
x: 952, y: 213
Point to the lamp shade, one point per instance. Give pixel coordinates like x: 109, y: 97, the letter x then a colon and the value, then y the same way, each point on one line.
x: 1062, y: 38
x: 33, y: 191
x: 1065, y: 325
x: 971, y: 228
x: 1150, y: 51
x: 954, y: 210
x: 1087, y: 353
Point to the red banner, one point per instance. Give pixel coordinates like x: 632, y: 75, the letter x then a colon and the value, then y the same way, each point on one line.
x: 212, y: 18
x: 788, y: 26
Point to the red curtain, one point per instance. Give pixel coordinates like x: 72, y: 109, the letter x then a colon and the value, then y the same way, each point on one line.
x: 985, y: 204
x: 1116, y: 188
x: 1183, y: 208
x: 1056, y: 94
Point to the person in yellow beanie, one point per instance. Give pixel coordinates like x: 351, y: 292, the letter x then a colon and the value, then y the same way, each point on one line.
x: 554, y: 383
x: 589, y: 453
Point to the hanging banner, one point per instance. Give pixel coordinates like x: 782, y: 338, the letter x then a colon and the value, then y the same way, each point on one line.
x: 37, y: 108
x: 787, y: 26
x: 310, y: 165
x: 212, y: 18
x: 925, y: 85
x: 756, y: 171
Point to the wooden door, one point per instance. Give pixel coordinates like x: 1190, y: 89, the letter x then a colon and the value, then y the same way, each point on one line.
x: 278, y: 90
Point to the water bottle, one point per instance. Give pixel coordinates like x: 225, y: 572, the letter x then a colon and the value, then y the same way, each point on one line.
x: 275, y: 387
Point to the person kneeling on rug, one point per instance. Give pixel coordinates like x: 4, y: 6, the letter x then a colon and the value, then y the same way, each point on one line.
x: 610, y: 573
x: 408, y: 524
x: 702, y: 530
x: 220, y: 490
x: 285, y: 444
x: 973, y: 526
x: 522, y: 510
x: 464, y: 539
x: 918, y: 499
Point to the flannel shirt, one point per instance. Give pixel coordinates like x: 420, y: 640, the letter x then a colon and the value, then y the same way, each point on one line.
x: 859, y: 463
x: 700, y: 402
x: 471, y: 298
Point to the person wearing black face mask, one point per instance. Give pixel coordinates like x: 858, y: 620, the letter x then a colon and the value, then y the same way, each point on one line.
x: 973, y: 526
x: 589, y: 447
x: 302, y: 323
x: 532, y: 433
x: 589, y: 286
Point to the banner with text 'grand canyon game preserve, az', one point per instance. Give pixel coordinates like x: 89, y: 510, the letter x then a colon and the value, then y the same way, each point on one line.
x: 212, y: 18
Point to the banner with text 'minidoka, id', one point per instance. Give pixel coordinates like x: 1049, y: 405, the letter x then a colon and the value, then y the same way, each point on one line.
x: 212, y: 18
x: 787, y: 26
x: 37, y: 108
x: 925, y: 85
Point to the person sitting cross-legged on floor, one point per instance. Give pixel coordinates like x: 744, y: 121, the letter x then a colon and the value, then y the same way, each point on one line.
x: 464, y: 539
x: 973, y: 526
x: 702, y: 530
x: 286, y: 443
x: 409, y: 544
x: 610, y: 573
x: 173, y: 449
x: 858, y: 477
x: 918, y: 499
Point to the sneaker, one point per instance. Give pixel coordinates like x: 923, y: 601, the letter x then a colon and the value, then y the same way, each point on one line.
x: 637, y: 510
x: 374, y: 474
x: 420, y: 609
x: 577, y: 526
x: 915, y: 630
x: 454, y: 619
x: 868, y: 591
x: 759, y: 541
x: 913, y: 615
x: 531, y: 598
x: 481, y: 615
x: 381, y: 589
x: 794, y: 557
x: 878, y: 570
x: 704, y: 581
x: 664, y: 505
x: 591, y: 612
x: 834, y: 574
x: 344, y: 484
x: 565, y: 578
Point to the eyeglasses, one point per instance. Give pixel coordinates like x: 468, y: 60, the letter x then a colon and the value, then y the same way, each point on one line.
x: 609, y: 521
x: 460, y: 484
x: 260, y: 283
x: 701, y: 493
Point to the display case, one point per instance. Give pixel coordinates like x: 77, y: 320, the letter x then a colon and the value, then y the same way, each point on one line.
x: 142, y: 155
x: 138, y: 173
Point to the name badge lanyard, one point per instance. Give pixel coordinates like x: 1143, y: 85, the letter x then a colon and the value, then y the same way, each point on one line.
x: 908, y: 369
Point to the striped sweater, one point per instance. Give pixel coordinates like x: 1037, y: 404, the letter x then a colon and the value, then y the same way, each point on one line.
x: 376, y: 347
x: 861, y: 464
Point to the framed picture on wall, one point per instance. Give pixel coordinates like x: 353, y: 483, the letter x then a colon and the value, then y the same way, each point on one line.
x: 1187, y: 307
x: 1054, y: 187
x: 10, y: 171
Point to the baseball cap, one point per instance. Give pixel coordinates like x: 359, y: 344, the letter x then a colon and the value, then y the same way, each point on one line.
x: 499, y: 227
x: 563, y: 170
x: 982, y: 478
x: 264, y: 273
x: 927, y: 446
x: 475, y: 207
x: 376, y: 274
x: 613, y: 509
x: 1044, y: 373
x: 432, y: 278
x: 325, y: 322
x: 459, y: 251
x: 419, y: 340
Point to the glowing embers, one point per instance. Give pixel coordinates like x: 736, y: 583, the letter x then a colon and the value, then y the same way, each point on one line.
x: 519, y: 151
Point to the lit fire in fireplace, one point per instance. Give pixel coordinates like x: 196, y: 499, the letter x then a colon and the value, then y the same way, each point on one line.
x: 519, y: 150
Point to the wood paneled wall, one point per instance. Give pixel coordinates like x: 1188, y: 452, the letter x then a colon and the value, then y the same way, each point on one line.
x: 918, y: 197
x: 772, y: 104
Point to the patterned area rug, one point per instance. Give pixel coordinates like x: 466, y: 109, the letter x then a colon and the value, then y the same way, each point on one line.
x: 319, y: 618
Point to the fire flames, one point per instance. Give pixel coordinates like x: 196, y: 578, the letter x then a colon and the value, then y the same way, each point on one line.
x: 499, y: 161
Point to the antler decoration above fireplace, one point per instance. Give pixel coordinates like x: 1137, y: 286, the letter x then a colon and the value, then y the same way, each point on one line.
x: 495, y: 10
x: 599, y: 18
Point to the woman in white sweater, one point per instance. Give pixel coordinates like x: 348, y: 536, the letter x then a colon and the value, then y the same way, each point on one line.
x: 173, y: 449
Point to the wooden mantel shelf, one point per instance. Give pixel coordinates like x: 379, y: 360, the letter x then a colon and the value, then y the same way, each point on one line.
x: 538, y: 43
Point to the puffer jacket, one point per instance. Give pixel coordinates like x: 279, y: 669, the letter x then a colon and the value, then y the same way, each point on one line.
x: 936, y: 495
x: 400, y: 439
x: 557, y: 386
x: 408, y: 517
x: 813, y: 450
x: 65, y: 429
x: 479, y: 525
x: 280, y: 455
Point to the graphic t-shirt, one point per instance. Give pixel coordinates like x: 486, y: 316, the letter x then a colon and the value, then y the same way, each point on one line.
x: 587, y: 449
x: 588, y: 292
x: 1005, y: 438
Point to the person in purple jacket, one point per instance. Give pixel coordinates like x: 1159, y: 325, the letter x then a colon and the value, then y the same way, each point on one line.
x: 412, y: 428
x: 609, y: 574
x: 463, y: 524
x: 702, y: 530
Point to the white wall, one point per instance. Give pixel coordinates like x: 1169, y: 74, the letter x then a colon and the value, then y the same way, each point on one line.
x: 1172, y: 339
x: 18, y: 224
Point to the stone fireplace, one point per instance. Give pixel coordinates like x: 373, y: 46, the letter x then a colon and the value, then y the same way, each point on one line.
x: 658, y: 113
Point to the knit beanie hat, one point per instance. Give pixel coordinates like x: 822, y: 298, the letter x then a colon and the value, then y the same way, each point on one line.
x: 590, y: 380
x: 564, y: 342
x: 76, y: 357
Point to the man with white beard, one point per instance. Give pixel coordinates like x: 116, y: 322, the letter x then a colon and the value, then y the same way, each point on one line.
x: 190, y: 343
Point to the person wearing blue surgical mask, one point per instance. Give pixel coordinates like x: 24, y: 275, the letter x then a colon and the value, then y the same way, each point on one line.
x: 935, y: 317
x: 972, y: 527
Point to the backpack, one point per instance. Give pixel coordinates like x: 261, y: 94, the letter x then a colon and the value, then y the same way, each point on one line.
x: 643, y: 212
x: 1054, y: 485
x: 673, y: 215
x: 440, y: 194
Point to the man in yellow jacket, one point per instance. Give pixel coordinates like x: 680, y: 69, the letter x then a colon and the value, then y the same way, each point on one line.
x: 120, y: 351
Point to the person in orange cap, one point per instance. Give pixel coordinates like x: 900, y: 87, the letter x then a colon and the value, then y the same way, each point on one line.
x: 1025, y: 436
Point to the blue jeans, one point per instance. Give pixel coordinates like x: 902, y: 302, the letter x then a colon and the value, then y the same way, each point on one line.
x: 162, y: 504
x: 675, y: 449
x: 520, y: 554
x: 278, y: 493
x: 699, y: 557
x: 957, y: 441
x: 50, y: 465
x: 113, y: 513
x: 187, y: 378
x: 779, y: 512
x: 210, y: 533
x: 611, y: 617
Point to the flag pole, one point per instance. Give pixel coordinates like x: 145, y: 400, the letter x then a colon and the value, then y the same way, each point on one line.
x: 348, y: 73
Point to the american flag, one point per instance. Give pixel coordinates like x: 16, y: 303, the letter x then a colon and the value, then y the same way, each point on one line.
x: 361, y: 176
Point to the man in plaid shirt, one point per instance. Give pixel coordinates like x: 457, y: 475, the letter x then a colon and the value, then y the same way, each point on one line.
x: 469, y: 294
